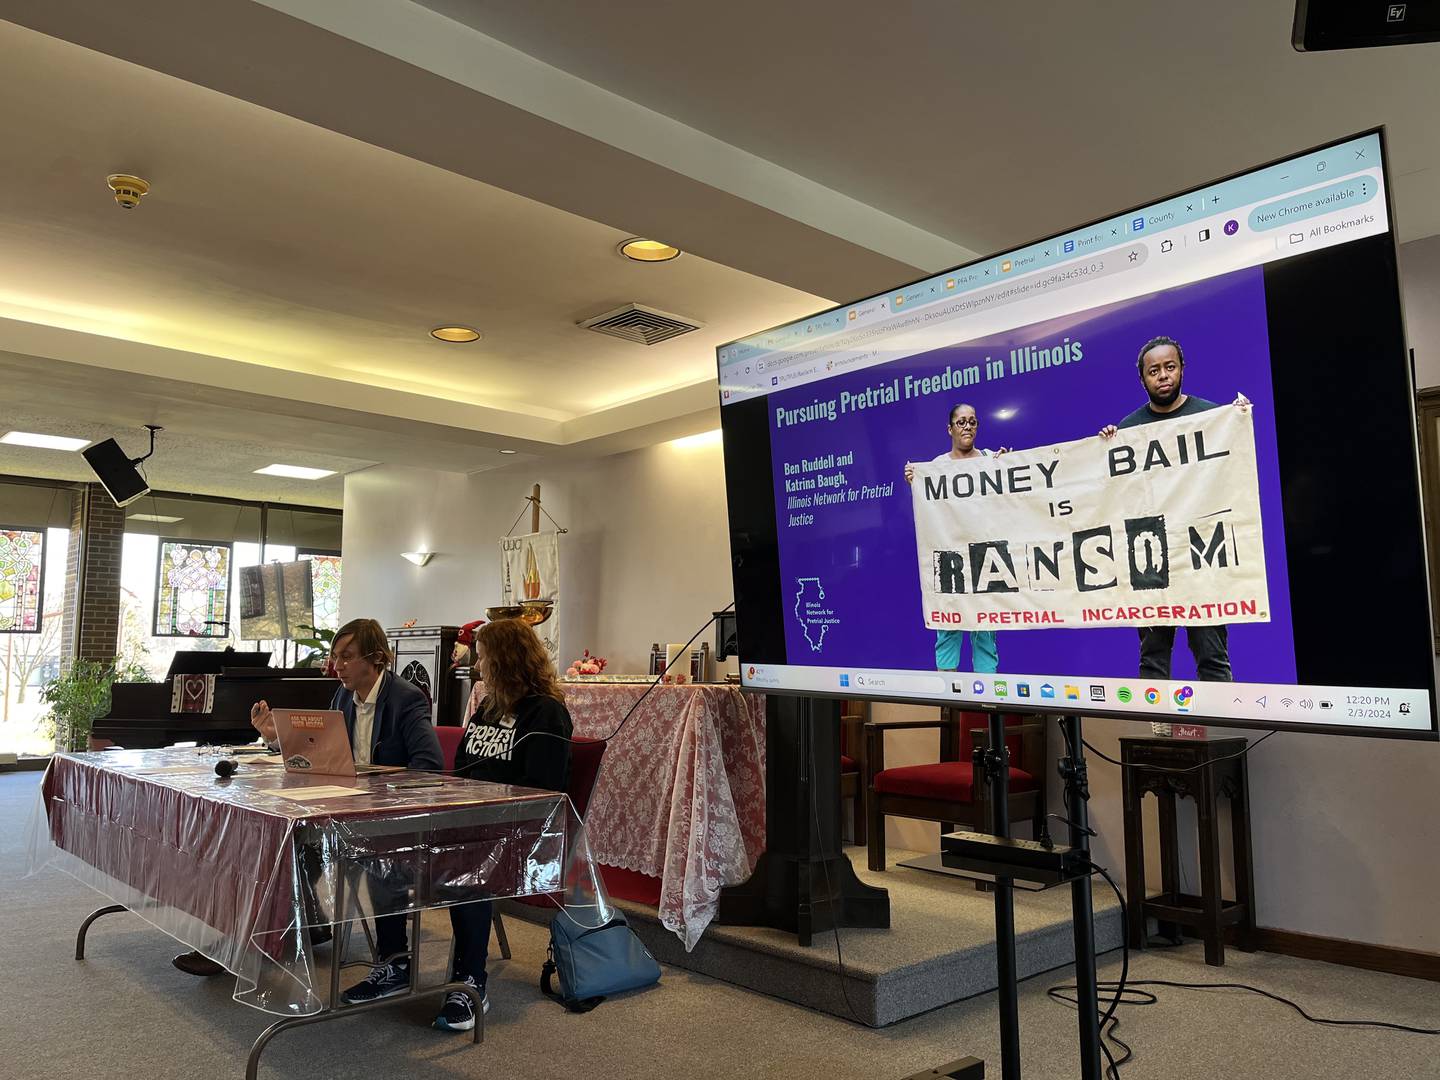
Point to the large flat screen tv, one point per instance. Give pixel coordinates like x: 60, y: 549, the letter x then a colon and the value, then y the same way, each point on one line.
x: 1161, y: 466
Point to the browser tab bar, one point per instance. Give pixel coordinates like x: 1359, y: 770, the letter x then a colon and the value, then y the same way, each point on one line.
x: 1196, y: 234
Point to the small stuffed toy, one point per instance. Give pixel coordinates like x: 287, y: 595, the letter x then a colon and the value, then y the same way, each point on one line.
x: 464, y: 642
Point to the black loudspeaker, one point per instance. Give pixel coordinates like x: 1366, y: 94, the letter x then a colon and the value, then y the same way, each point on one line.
x: 1363, y: 24
x: 116, y: 472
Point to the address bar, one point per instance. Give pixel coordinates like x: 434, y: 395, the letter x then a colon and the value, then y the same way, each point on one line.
x: 1041, y: 283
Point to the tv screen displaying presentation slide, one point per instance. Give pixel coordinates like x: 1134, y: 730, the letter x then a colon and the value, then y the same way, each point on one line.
x: 1162, y: 466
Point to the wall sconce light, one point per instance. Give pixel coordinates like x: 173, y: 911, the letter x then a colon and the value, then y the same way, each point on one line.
x: 419, y: 558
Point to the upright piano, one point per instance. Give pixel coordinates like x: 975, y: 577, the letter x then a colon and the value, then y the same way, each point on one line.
x: 144, y: 715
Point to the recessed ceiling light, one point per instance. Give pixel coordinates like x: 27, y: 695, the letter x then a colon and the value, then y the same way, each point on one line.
x: 455, y: 334
x: 509, y: 451
x: 160, y: 519
x: 44, y: 442
x: 295, y: 472
x: 648, y: 250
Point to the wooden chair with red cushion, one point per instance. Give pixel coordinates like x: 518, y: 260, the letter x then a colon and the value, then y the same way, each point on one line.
x: 449, y: 737
x: 946, y: 790
x: 585, y: 756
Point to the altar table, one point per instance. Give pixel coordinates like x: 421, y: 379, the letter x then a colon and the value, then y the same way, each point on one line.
x: 681, y: 791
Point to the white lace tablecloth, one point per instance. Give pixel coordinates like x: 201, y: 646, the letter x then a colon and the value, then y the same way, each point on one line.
x: 681, y: 791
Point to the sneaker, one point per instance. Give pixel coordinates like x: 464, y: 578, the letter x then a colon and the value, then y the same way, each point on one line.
x: 384, y: 980
x: 458, y: 1013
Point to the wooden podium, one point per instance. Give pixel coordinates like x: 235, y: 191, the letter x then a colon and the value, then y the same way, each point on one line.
x: 803, y: 882
x: 422, y: 657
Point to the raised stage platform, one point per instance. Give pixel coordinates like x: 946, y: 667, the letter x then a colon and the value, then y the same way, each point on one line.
x: 940, y: 946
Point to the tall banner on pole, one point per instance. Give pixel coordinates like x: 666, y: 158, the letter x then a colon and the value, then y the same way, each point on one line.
x: 1157, y: 526
x: 530, y: 570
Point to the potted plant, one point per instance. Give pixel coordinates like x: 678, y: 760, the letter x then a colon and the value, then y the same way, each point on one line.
x: 78, y: 697
x: 319, y: 645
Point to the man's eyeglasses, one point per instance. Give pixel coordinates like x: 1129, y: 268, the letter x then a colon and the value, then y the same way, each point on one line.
x: 343, y: 661
x: 966, y: 421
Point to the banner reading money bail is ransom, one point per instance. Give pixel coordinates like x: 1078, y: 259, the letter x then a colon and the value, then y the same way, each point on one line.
x: 1157, y: 526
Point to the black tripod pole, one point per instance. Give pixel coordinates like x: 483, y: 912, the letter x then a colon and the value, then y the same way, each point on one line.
x: 1077, y: 786
x: 997, y: 772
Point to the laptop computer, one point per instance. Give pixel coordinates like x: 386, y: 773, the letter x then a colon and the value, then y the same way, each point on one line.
x: 315, y: 742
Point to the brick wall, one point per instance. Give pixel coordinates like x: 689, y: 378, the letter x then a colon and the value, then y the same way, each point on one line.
x: 91, y: 625
x: 71, y: 611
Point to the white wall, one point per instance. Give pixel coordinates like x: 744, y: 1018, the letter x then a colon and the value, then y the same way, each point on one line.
x: 646, y: 559
x: 1420, y: 279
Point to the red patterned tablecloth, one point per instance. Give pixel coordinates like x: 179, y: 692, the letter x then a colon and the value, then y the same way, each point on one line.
x: 681, y: 791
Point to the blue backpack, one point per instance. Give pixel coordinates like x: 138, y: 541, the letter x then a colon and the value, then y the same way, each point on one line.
x: 594, y: 962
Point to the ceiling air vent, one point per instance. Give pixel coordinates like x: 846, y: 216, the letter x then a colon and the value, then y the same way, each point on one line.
x: 640, y: 324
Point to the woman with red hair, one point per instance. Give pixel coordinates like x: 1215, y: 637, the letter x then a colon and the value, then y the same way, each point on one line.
x: 518, y: 734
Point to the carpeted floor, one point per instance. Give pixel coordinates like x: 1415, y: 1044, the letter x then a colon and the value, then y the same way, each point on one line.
x: 125, y: 1012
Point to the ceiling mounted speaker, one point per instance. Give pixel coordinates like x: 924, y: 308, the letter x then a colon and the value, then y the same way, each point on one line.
x: 118, y: 476
x: 118, y: 472
x: 640, y: 324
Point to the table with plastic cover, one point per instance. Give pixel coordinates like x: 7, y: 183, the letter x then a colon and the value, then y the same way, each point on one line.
x: 245, y: 869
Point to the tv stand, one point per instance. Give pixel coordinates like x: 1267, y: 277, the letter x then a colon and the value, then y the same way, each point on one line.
x: 1041, y: 862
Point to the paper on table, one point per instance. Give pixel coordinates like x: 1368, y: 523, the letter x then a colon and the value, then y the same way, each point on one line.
x: 306, y: 794
x: 173, y: 769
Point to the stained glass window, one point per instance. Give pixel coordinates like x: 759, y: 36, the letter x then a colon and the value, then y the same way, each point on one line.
x: 22, y: 563
x: 325, y: 584
x: 192, y: 590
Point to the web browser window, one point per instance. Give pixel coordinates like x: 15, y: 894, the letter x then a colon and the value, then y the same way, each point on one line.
x: 1163, y: 464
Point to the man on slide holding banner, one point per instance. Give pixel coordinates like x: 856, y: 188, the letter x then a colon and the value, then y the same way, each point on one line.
x: 1162, y: 372
x: 963, y: 427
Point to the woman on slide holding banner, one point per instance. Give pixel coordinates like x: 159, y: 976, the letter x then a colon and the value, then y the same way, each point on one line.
x: 963, y: 427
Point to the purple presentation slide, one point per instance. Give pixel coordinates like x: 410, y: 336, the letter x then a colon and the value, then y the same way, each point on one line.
x: 856, y: 560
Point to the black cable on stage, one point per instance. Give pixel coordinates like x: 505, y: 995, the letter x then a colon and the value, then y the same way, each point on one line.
x: 834, y: 925
x: 1118, y: 989
x: 1112, y: 1069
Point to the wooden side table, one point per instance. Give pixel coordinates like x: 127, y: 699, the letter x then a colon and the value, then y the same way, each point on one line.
x: 1151, y: 766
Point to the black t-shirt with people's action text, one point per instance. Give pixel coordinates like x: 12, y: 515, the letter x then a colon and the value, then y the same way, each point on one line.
x: 526, y: 747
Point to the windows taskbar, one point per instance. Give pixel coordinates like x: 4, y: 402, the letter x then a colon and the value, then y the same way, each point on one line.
x: 1161, y: 700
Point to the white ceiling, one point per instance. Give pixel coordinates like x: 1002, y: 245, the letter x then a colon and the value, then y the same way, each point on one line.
x: 269, y: 241
x: 194, y: 464
x: 994, y: 124
x: 330, y: 181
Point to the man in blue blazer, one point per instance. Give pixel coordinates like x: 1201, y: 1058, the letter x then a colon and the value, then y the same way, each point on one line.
x: 389, y: 723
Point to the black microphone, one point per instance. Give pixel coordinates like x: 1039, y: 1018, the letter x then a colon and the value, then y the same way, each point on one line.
x: 225, y: 768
